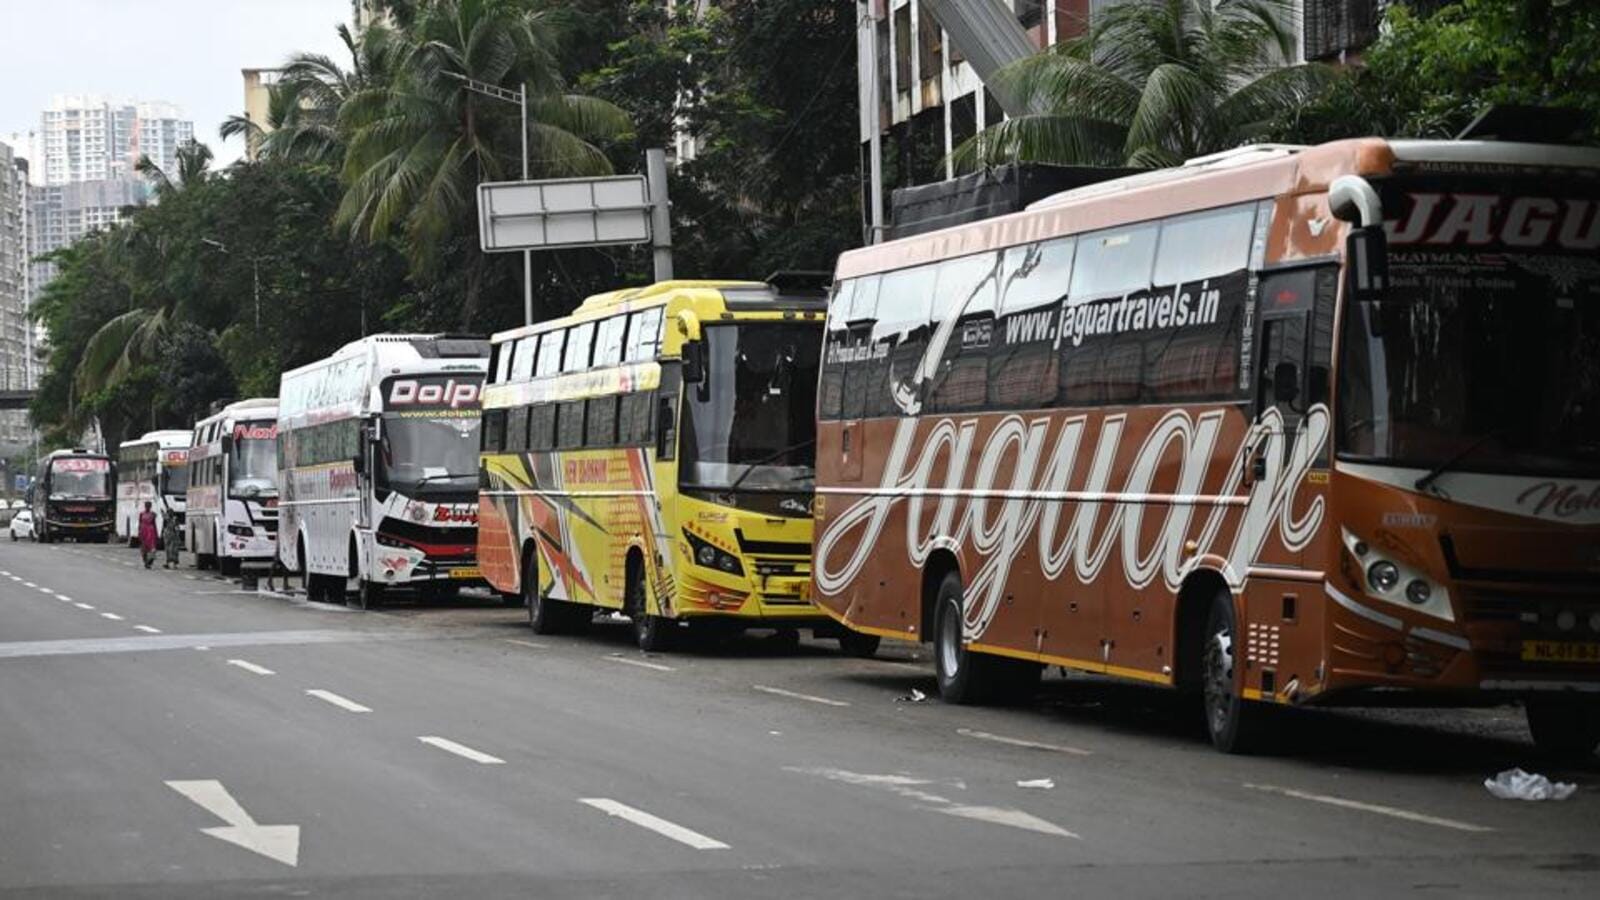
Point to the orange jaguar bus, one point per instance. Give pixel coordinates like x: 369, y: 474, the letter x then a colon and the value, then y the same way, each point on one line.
x: 1282, y: 425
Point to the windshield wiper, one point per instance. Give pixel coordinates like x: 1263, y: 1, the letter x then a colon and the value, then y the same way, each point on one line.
x: 751, y: 467
x: 1427, y: 480
x: 445, y: 477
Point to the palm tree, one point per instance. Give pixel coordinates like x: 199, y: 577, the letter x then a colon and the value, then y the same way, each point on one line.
x: 194, y: 166
x: 1152, y: 83
x: 303, y: 106
x: 420, y: 144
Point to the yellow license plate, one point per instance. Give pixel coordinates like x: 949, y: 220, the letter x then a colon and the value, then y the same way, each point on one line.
x: 466, y: 572
x: 1561, y: 651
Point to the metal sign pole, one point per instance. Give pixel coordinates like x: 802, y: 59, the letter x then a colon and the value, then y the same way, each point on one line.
x: 655, y: 166
x: 527, y: 254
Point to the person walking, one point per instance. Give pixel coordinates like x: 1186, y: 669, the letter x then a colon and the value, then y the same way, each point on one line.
x: 172, y: 537
x: 147, y: 534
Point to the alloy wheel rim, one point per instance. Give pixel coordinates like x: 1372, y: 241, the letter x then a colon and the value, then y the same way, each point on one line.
x: 950, y: 645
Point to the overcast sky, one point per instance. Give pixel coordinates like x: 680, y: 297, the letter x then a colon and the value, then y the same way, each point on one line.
x: 187, y: 52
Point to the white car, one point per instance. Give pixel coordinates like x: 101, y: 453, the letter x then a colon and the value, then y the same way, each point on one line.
x: 22, y: 525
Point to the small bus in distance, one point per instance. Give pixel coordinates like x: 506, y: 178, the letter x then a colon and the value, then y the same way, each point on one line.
x: 652, y: 454
x: 379, y: 465
x: 74, y: 497
x: 152, y: 469
x: 232, y: 514
x: 1284, y: 425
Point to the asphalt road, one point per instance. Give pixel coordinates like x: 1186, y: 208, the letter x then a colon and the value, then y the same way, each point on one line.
x: 163, y: 734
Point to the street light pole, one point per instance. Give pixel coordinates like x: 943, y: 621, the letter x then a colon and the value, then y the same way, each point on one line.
x: 520, y: 98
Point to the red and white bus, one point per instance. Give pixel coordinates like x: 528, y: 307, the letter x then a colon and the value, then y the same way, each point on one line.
x: 1283, y: 425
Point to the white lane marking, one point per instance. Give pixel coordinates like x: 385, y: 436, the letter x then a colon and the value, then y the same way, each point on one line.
x: 1013, y: 818
x: 343, y: 703
x: 462, y: 750
x: 1381, y: 810
x: 1019, y: 742
x: 147, y: 629
x: 45, y: 590
x: 247, y: 666
x: 5, y: 573
x: 201, y: 647
x: 654, y: 823
x: 279, y: 842
x: 29, y: 584
x: 83, y: 606
x: 640, y: 663
x: 535, y: 645
x: 64, y: 598
x: 112, y: 616
x: 14, y: 577
x: 798, y: 696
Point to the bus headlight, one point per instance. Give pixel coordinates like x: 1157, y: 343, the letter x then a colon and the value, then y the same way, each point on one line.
x: 712, y: 558
x: 1383, y: 575
x: 241, y: 530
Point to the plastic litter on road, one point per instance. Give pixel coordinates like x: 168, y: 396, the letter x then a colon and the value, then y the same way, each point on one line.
x: 915, y: 696
x: 1515, y: 784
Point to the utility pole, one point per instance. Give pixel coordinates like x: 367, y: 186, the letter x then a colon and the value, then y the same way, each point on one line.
x: 655, y: 169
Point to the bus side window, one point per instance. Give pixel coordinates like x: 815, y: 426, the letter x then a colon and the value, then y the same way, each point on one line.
x: 966, y: 294
x: 1023, y: 360
x: 516, y: 430
x: 494, y: 430
x: 667, y: 428
x: 569, y: 426
x: 542, y: 428
x: 1286, y: 302
x: 905, y: 306
x: 602, y: 426
x: 862, y: 373
x: 830, y: 400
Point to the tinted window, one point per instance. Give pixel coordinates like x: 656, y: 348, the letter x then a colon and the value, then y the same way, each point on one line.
x: 634, y: 419
x: 601, y: 430
x: 542, y: 427
x: 569, y: 425
x: 1195, y: 246
x: 905, y: 304
x: 517, y: 430
x: 830, y: 390
x: 963, y: 319
x: 644, y: 335
x: 550, y: 353
x: 864, y: 366
x: 1114, y: 261
x: 576, y: 356
x: 1024, y: 360
x: 608, y: 341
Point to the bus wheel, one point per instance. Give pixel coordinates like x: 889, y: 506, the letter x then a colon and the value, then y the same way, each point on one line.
x: 961, y: 673
x: 369, y: 595
x: 1233, y: 722
x: 1566, y: 729
x: 854, y: 643
x: 544, y: 615
x: 653, y: 634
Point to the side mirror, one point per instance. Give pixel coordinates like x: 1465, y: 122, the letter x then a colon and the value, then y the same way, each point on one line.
x: 1366, y: 262
x: 359, y: 463
x: 1285, y: 382
x: 694, y: 362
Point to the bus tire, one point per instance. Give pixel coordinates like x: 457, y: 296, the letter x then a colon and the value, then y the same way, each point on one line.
x: 1566, y: 729
x: 964, y: 677
x: 544, y: 615
x: 368, y: 595
x: 857, y: 644
x: 510, y: 598
x: 653, y: 634
x: 1233, y: 722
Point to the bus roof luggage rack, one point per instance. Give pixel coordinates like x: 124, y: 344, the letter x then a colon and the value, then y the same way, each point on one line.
x: 986, y: 194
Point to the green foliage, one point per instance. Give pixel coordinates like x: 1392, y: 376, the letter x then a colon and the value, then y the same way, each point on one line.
x: 1428, y: 76
x: 1152, y: 83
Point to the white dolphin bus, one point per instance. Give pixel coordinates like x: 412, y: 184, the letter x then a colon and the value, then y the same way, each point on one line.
x: 232, y: 515
x: 153, y: 468
x: 378, y: 451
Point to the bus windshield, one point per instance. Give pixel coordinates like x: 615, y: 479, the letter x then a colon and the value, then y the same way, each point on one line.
x: 430, y: 456
x: 80, y: 478
x: 253, y: 465
x: 1440, y: 373
x: 175, y: 480
x: 752, y: 424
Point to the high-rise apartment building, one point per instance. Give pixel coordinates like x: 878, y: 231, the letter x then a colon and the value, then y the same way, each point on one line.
x: 16, y: 344
x: 83, y: 167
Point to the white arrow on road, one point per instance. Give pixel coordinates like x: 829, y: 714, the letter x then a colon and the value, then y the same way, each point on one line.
x: 279, y: 842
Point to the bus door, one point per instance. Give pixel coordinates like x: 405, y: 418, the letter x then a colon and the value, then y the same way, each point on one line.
x: 1293, y: 361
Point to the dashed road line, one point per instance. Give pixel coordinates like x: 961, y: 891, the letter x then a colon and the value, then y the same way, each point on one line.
x: 343, y: 703
x: 112, y: 616
x: 640, y: 663
x: 147, y: 629
x: 654, y: 823
x: 811, y: 698
x: 247, y: 666
x: 521, y: 643
x: 1391, y: 811
x: 29, y: 584
x: 45, y: 590
x: 1020, y: 742
x: 64, y: 598
x: 462, y: 750
x: 83, y: 606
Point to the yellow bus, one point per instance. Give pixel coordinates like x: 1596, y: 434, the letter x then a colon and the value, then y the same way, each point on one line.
x: 653, y: 454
